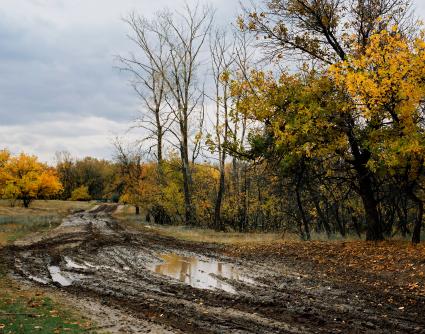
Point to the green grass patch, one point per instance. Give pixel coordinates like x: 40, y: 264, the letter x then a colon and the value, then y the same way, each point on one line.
x: 22, y: 315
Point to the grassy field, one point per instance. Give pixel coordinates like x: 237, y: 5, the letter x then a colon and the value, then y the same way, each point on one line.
x: 32, y: 310
x: 42, y: 208
x: 17, y: 222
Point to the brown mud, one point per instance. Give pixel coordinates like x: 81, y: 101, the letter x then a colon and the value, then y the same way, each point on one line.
x: 175, y: 286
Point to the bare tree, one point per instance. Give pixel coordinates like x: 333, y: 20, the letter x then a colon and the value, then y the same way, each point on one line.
x: 244, y: 57
x: 222, y: 55
x: 186, y: 37
x: 182, y: 36
x: 147, y: 69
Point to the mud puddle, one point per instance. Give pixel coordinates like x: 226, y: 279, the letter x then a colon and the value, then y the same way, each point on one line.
x: 163, y: 283
x: 200, y: 273
x: 58, y: 277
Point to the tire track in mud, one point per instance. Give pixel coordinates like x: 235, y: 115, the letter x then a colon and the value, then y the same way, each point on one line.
x: 91, y: 255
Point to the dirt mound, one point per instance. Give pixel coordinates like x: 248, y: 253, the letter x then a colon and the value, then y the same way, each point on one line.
x: 104, y: 208
x: 76, y: 229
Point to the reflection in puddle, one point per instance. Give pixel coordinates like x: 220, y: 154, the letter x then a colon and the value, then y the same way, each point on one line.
x: 199, y: 273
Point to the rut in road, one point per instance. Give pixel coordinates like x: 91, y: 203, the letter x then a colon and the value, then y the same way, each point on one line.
x: 91, y: 254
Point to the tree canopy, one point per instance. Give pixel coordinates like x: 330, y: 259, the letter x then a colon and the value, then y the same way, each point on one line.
x: 24, y: 178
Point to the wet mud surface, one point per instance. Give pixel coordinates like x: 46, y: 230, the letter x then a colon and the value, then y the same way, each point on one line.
x: 185, y: 287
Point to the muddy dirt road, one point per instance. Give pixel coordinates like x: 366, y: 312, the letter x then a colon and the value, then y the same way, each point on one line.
x: 172, y: 286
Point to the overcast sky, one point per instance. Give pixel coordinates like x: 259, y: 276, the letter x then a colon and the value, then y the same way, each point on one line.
x: 59, y: 89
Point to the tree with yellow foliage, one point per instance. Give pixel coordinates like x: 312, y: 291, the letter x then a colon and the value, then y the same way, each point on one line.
x: 330, y: 33
x: 80, y: 194
x: 4, y: 157
x: 387, y: 84
x: 366, y: 110
x: 24, y: 178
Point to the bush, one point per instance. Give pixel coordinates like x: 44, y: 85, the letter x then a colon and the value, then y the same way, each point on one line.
x: 80, y: 194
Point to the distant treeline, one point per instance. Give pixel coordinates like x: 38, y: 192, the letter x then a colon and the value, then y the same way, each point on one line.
x: 88, y: 178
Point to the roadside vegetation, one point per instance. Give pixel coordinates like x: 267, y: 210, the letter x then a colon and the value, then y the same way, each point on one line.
x: 24, y: 312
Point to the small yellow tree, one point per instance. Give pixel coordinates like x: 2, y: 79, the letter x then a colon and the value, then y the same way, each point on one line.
x: 80, y: 194
x: 25, y: 178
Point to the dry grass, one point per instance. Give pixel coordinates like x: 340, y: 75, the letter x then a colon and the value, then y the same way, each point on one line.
x: 201, y: 234
x: 128, y: 218
x: 42, y: 208
x: 5, y: 237
x: 10, y: 232
x: 17, y: 222
x: 211, y: 236
x: 260, y: 238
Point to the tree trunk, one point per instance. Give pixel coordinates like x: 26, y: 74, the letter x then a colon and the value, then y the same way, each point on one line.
x: 158, y: 136
x: 402, y: 220
x: 26, y: 202
x: 374, y: 230
x: 187, y: 180
x: 340, y: 224
x: 356, y: 225
x: 303, y: 215
x: 217, y: 209
x: 322, y: 218
x: 416, y: 236
x: 137, y: 210
x: 243, y: 220
x: 374, y: 227
x: 361, y: 157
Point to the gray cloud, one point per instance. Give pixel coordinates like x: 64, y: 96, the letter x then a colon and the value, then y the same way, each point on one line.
x: 58, y: 87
